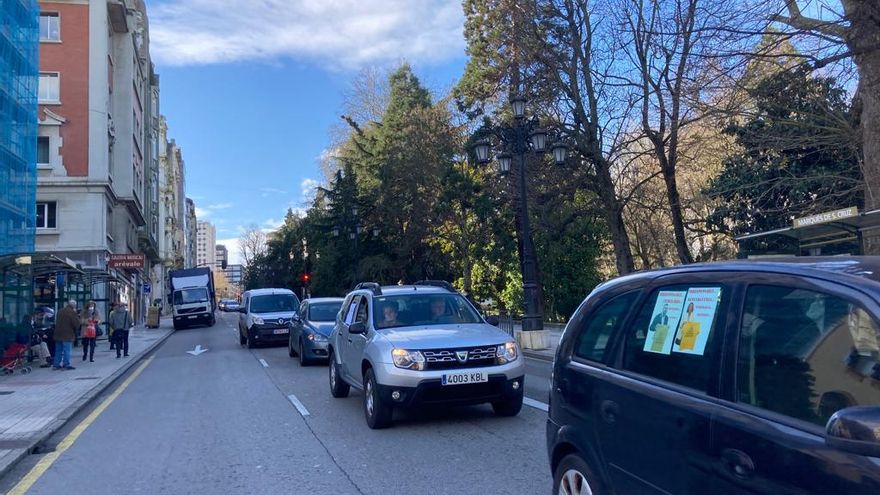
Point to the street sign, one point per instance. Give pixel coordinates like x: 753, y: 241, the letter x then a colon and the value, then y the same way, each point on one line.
x: 826, y: 217
x: 147, y: 288
x: 126, y: 261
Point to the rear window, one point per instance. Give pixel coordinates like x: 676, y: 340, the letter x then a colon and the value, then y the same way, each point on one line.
x: 324, y: 311
x: 274, y: 303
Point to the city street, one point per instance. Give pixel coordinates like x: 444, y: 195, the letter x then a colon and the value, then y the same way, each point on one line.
x: 226, y: 421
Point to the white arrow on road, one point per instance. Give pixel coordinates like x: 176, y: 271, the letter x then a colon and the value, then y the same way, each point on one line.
x: 198, y: 350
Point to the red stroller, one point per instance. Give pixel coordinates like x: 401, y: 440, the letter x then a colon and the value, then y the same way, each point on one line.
x: 15, y: 358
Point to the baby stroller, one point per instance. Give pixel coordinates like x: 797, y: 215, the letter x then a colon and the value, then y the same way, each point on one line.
x: 15, y: 358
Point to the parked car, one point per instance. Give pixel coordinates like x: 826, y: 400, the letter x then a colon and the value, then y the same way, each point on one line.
x: 737, y: 377
x: 232, y: 305
x: 310, y: 332
x: 222, y: 304
x: 421, y: 344
x: 265, y: 316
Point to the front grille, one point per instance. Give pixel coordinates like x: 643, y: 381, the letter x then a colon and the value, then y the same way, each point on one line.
x: 448, y: 359
x: 184, y: 311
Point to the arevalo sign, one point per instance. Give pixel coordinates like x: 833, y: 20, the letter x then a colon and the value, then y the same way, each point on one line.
x: 830, y: 216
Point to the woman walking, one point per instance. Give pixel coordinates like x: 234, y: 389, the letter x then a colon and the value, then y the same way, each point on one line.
x: 90, y: 322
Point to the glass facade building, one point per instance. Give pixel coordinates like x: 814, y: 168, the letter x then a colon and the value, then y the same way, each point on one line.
x: 19, y: 76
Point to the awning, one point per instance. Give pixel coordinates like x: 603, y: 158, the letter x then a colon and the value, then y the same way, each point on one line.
x: 829, y: 232
x: 36, y: 264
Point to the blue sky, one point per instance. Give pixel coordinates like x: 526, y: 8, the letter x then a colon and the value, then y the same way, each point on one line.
x: 250, y: 94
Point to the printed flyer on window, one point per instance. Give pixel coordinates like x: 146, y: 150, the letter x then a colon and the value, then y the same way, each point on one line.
x: 700, y: 306
x: 664, y: 321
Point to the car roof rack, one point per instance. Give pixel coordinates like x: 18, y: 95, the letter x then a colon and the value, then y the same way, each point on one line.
x: 437, y: 283
x: 375, y: 288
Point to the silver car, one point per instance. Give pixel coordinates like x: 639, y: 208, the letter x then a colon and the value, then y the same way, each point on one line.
x: 421, y: 344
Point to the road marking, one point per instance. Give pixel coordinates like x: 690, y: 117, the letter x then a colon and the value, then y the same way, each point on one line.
x: 298, y: 405
x: 197, y: 350
x: 536, y: 404
x: 46, y: 462
x: 264, y: 363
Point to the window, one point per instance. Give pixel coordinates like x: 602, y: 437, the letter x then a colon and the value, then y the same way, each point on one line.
x: 806, y: 354
x: 50, y: 26
x: 46, y: 215
x: 324, y: 311
x: 419, y: 309
x: 362, y: 311
x: 351, y: 309
x: 43, y: 150
x: 598, y: 327
x: 274, y: 303
x: 49, y: 89
x: 675, y: 336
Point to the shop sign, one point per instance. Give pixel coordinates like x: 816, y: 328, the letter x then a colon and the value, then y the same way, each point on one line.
x: 131, y: 261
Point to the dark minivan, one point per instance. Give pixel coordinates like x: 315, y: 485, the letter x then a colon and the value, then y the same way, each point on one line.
x: 736, y: 377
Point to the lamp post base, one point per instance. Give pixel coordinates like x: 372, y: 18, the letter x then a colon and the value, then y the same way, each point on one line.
x: 534, y: 340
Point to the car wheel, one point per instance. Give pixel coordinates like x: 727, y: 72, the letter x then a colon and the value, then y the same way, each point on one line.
x: 250, y: 342
x: 574, y: 476
x: 510, y: 406
x: 377, y: 412
x: 338, y: 387
x: 303, y: 360
x: 290, y: 351
x: 242, y: 340
x: 177, y: 326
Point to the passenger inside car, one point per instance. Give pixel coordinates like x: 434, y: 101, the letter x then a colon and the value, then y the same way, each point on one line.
x: 390, y: 313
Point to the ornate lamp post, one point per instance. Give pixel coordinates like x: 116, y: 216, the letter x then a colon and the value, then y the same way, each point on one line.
x: 516, y: 141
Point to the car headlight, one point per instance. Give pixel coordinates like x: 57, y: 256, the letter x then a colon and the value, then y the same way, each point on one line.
x: 258, y: 320
x: 317, y: 337
x: 506, y: 353
x: 410, y: 360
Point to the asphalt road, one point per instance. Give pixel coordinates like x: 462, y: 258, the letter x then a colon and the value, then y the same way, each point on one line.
x: 224, y: 422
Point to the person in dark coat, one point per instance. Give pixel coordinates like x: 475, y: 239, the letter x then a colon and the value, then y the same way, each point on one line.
x: 120, y: 322
x: 65, y: 333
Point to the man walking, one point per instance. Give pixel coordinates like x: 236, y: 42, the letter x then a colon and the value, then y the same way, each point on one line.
x: 65, y: 333
x: 120, y: 322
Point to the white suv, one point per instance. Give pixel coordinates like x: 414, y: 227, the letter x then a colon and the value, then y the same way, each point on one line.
x: 421, y: 344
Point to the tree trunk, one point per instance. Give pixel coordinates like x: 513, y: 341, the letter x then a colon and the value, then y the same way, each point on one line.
x: 613, y: 211
x: 681, y: 246
x: 863, y: 39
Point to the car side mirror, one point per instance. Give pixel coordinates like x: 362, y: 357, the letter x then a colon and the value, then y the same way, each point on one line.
x: 242, y: 310
x: 493, y: 320
x: 357, y: 327
x: 855, y: 430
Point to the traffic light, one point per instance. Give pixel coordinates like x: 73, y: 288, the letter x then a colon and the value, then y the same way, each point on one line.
x: 306, y: 278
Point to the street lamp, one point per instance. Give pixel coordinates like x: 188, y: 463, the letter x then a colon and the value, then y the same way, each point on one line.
x: 516, y: 140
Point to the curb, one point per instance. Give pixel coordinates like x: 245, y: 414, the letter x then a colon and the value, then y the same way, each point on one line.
x: 75, y: 408
x: 538, y: 355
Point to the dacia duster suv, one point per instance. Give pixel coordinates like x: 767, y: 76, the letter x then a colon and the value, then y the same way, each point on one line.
x: 421, y: 344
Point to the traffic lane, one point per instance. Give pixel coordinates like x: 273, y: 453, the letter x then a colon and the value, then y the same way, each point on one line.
x: 538, y: 373
x: 197, y: 424
x: 430, y: 450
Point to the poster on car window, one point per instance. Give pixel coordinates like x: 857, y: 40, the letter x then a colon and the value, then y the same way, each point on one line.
x: 664, y: 321
x: 700, y: 306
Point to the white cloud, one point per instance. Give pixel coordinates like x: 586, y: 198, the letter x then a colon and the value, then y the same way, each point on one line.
x: 204, y: 213
x: 232, y: 247
x: 307, y: 188
x: 335, y: 33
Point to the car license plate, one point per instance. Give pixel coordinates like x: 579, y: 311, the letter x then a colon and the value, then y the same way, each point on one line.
x: 279, y: 331
x: 465, y: 377
x: 192, y: 317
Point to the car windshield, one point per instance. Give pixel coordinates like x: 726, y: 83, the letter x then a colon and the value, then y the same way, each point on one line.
x: 191, y: 296
x: 324, y: 311
x: 274, y: 303
x: 423, y: 309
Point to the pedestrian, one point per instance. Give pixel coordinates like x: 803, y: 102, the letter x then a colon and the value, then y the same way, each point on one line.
x: 110, y: 329
x: 90, y: 322
x: 120, y: 322
x: 65, y: 333
x: 38, y: 342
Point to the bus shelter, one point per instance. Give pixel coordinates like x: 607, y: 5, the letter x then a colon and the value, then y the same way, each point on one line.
x: 838, y: 232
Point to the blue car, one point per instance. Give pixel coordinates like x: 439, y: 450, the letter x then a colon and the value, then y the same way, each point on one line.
x: 309, y: 332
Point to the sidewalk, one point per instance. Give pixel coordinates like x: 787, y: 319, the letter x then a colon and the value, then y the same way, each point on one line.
x: 34, y: 406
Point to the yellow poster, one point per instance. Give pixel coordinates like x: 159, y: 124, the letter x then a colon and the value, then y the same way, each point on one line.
x: 690, y: 330
x: 658, y: 344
